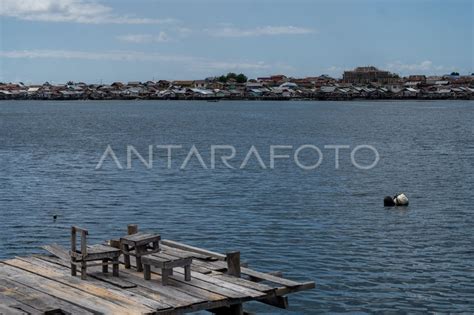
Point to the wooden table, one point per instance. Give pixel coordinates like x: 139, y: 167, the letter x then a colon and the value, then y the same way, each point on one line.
x: 166, y: 265
x: 139, y: 245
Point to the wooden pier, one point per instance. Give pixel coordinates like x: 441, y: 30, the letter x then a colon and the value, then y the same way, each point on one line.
x: 42, y: 284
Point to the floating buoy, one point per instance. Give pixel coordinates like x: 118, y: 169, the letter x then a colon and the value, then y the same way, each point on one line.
x: 401, y: 200
x: 388, y: 202
x: 397, y: 200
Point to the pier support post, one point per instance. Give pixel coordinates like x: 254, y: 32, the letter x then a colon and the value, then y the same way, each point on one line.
x: 132, y: 229
x: 233, y: 269
x: 236, y: 309
x: 233, y: 263
x: 105, y: 267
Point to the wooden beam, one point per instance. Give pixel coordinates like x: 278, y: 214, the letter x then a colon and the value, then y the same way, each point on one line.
x: 132, y: 229
x: 233, y: 264
x: 273, y: 273
x: 236, y: 309
x: 277, y: 301
x: 190, y: 248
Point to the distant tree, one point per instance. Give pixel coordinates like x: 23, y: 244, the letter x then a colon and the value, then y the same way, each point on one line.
x: 454, y: 73
x: 241, y: 78
x: 70, y: 83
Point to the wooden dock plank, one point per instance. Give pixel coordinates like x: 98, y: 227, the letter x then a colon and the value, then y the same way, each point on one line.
x: 210, y: 254
x: 243, y: 282
x: 210, y: 286
x: 34, y: 301
x: 101, y: 290
x: 183, y: 253
x: 132, y: 294
x: 183, y: 288
x: 263, y: 276
x: 93, y: 271
x: 200, y: 263
x: 58, y: 251
x: 11, y: 310
x: 179, y: 295
x: 174, y: 297
x: 245, y: 292
x: 64, y: 292
x: 9, y: 304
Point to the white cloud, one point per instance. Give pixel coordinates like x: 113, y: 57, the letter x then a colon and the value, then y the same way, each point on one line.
x: 224, y: 65
x: 424, y: 67
x: 144, y: 38
x: 398, y: 66
x: 191, y: 61
x: 77, y: 11
x: 259, y: 31
x: 86, y: 55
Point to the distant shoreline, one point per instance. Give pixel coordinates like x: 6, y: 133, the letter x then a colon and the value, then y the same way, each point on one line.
x: 213, y: 100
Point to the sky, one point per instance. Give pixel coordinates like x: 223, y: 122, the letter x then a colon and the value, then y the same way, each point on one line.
x: 105, y: 41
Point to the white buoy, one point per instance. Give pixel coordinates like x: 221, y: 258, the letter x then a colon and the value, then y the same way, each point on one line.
x: 401, y: 200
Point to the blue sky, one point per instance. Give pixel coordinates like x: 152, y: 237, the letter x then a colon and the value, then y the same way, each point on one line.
x: 99, y: 40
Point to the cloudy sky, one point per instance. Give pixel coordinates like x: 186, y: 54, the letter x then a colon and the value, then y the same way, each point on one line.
x: 100, y: 40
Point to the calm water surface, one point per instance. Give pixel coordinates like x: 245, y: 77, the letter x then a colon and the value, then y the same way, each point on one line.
x: 326, y: 224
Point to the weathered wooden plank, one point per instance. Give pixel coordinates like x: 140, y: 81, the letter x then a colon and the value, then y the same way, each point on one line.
x: 10, y: 310
x: 243, y: 282
x: 273, y: 273
x: 9, y: 304
x: 207, y: 266
x: 264, y: 276
x: 190, y: 248
x: 66, y: 293
x: 246, y: 292
x: 271, y: 278
x: 58, y: 251
x: 177, y: 293
x: 94, y: 272
x: 178, y: 297
x: 34, y: 301
x: 220, y: 265
x: 132, y: 294
x: 175, y: 297
x: 202, y: 284
x: 303, y: 286
x: 94, y: 287
x: 209, y: 288
x: 183, y: 253
x: 168, y: 296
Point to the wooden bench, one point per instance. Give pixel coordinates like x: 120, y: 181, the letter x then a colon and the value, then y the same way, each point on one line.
x: 166, y: 265
x: 107, y: 254
x: 138, y: 245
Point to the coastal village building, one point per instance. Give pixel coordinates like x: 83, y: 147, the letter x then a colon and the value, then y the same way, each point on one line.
x: 184, y: 83
x: 370, y: 74
x: 361, y: 83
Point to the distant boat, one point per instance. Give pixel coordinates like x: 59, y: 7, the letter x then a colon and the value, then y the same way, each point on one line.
x: 214, y: 101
